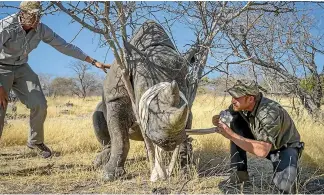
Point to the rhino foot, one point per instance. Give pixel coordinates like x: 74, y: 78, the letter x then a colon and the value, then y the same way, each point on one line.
x: 102, y: 158
x: 118, y: 173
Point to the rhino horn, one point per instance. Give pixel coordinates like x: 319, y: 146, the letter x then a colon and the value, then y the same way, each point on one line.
x: 178, y: 118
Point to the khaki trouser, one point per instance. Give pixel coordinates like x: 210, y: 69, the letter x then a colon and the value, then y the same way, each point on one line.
x: 25, y: 83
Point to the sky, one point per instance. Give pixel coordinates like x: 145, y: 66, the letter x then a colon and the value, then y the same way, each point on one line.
x: 45, y: 59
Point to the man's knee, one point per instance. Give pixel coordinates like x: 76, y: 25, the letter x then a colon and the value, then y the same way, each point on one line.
x: 285, y: 180
x: 286, y: 167
x: 38, y: 104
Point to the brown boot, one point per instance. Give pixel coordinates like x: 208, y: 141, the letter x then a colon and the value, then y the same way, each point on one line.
x: 238, y: 177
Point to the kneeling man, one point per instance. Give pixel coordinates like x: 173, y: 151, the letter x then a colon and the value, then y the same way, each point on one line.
x: 261, y: 127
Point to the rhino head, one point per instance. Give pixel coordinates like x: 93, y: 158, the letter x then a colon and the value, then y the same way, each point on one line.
x: 167, y: 117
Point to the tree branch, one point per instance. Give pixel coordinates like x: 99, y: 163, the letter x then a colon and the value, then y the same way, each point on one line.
x: 76, y: 18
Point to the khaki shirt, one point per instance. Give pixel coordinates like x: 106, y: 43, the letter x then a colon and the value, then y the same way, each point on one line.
x: 270, y: 122
x: 15, y: 44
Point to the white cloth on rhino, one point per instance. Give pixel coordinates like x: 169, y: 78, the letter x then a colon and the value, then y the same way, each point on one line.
x: 159, y: 170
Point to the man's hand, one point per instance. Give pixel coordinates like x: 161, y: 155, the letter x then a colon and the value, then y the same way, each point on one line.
x: 3, y: 98
x: 102, y: 66
x: 224, y: 130
x: 97, y: 64
x: 215, y: 120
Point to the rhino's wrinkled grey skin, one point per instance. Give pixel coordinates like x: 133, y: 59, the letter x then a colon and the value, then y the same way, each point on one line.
x: 114, y: 120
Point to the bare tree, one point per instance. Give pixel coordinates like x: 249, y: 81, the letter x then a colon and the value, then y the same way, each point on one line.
x: 62, y: 86
x: 85, y: 82
x: 254, y: 34
x: 45, y: 81
x: 114, y: 22
x: 281, y: 46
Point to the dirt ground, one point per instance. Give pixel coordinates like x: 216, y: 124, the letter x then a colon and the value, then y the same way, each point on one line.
x: 23, y: 171
x: 70, y: 135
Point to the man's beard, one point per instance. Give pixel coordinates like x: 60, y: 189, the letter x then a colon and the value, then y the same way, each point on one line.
x: 235, y: 108
x: 30, y: 21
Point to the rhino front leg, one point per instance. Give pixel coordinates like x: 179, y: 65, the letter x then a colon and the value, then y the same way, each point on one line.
x: 118, y: 120
x: 185, y: 154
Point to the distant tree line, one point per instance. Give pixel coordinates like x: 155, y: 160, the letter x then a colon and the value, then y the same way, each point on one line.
x: 82, y: 83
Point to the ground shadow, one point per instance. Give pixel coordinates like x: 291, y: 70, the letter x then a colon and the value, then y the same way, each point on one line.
x: 314, y: 185
x: 39, y: 170
x: 47, y: 170
x: 311, y: 178
x: 137, y: 159
x: 209, y: 163
x: 18, y: 156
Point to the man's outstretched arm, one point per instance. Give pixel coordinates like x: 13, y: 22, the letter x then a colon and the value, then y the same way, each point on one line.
x: 258, y: 148
x: 53, y: 39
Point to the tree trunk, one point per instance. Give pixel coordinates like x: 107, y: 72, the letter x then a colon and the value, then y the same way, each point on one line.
x: 318, y: 90
x: 310, y: 103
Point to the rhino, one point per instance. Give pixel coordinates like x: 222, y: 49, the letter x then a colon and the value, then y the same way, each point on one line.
x: 157, y: 73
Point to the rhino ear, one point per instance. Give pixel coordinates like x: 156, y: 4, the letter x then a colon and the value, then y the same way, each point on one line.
x: 189, y: 56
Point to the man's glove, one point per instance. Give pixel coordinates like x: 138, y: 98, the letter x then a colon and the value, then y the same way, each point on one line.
x: 226, y: 117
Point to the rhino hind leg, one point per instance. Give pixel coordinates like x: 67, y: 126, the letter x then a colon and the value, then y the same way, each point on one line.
x: 102, y: 135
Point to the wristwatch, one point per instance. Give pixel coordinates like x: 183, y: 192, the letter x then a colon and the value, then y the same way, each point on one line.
x: 93, y: 62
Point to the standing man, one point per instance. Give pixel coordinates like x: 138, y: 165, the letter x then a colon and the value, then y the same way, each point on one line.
x: 20, y: 33
x: 261, y: 127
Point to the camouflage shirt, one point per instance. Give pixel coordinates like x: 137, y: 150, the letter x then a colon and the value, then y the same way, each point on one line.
x: 270, y: 122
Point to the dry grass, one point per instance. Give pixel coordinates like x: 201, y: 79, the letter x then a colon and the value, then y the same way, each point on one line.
x: 68, y: 131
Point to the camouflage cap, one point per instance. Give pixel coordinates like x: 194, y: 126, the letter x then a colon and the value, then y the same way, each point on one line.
x: 244, y: 87
x: 30, y: 6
